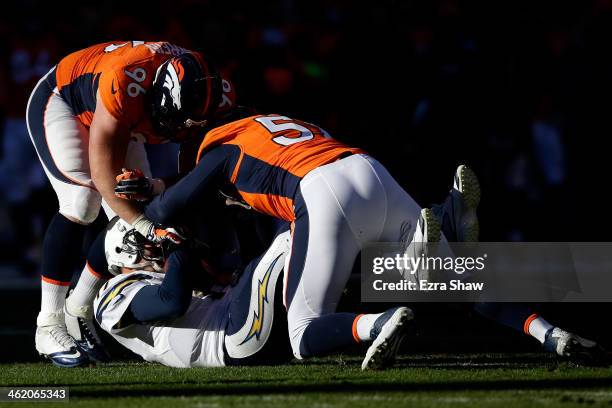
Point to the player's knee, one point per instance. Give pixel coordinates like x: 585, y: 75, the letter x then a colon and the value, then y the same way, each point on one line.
x: 296, y: 337
x: 82, y: 207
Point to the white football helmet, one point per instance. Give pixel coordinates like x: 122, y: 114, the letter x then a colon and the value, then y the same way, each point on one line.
x: 125, y: 247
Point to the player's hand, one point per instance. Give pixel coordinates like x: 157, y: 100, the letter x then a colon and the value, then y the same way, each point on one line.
x: 161, y: 234
x: 132, y: 184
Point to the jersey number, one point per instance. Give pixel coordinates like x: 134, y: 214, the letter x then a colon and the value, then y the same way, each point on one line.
x: 138, y: 75
x: 270, y: 123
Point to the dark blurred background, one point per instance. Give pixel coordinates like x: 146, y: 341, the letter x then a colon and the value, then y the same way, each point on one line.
x: 521, y: 91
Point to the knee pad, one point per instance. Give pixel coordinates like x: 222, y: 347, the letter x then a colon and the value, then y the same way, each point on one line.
x: 81, y: 204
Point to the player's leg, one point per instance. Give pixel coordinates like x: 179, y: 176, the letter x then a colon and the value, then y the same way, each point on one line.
x: 340, y: 207
x: 61, y: 144
x: 407, y: 223
x: 257, y: 328
x: 521, y: 318
x: 322, y: 255
x: 79, y: 305
x: 460, y: 223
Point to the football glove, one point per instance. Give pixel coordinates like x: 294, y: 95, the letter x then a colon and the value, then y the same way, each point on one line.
x: 132, y: 184
x: 160, y: 234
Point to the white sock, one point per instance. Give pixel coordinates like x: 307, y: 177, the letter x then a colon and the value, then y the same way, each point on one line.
x: 537, y: 327
x: 362, y: 326
x: 86, y: 288
x: 53, y: 295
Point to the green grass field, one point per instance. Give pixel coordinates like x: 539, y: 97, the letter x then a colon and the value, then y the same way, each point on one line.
x: 496, y: 380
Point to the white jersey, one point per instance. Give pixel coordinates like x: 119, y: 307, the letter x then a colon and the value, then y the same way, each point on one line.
x: 193, y: 340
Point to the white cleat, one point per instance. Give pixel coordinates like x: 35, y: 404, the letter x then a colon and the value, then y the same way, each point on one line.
x: 53, y: 341
x: 566, y: 344
x: 388, y: 332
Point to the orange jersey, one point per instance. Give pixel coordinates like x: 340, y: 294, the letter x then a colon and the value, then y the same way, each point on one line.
x: 122, y: 73
x: 275, y: 153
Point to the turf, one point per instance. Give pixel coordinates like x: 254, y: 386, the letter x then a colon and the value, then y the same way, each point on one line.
x: 495, y: 380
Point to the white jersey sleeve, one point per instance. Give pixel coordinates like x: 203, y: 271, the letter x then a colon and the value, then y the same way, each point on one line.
x: 115, y: 297
x: 196, y: 339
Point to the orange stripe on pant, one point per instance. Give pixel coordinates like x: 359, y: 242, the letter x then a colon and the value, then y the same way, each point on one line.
x: 94, y: 273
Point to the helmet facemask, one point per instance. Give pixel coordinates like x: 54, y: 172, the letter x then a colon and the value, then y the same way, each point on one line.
x: 126, y: 248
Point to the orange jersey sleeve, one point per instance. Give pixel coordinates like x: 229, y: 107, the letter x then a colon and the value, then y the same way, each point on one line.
x: 276, y: 152
x: 108, y: 90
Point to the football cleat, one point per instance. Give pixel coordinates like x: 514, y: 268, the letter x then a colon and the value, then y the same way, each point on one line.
x: 80, y: 326
x: 566, y: 344
x: 457, y: 216
x: 53, y: 341
x: 428, y: 227
x: 388, y: 332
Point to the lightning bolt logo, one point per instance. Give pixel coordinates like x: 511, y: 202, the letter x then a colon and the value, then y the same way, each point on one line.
x: 258, y: 315
x: 117, y: 291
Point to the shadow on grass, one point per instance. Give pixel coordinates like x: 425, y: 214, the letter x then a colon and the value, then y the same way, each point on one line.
x: 504, y: 361
x: 474, y: 361
x: 261, y: 387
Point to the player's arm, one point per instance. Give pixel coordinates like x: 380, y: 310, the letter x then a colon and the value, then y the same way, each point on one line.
x: 171, y: 299
x: 190, y: 191
x: 108, y: 141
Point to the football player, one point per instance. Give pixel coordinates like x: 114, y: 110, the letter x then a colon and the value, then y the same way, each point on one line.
x: 88, y: 118
x: 458, y: 216
x: 149, y: 308
x: 336, y: 198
